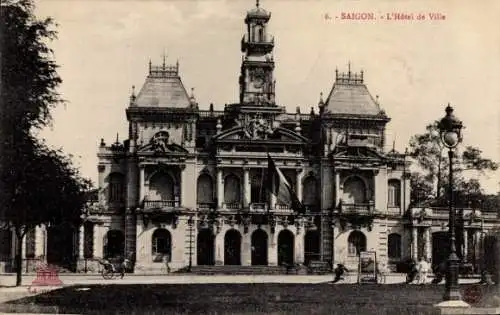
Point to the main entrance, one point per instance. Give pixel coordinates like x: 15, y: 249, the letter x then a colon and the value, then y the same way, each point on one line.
x: 259, y: 248
x: 285, y: 247
x: 205, y: 252
x: 60, y: 242
x: 311, y: 246
x: 232, y: 248
x: 440, y: 246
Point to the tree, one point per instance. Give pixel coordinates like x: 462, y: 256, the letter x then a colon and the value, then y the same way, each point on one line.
x: 39, y: 184
x: 429, y: 153
x: 44, y: 188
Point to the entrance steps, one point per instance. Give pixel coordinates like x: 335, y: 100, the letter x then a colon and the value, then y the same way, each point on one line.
x: 238, y: 270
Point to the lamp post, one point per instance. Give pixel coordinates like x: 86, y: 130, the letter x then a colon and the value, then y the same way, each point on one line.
x: 450, y: 133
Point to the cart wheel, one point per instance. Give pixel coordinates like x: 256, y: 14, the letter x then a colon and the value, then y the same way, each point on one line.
x: 107, y: 274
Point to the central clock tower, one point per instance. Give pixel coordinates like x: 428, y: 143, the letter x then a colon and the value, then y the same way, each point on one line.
x: 257, y: 84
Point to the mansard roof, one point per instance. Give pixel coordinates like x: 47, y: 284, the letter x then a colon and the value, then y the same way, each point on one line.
x: 163, y: 88
x: 349, y: 95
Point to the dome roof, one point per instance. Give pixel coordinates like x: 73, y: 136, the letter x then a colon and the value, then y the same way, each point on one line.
x: 258, y: 13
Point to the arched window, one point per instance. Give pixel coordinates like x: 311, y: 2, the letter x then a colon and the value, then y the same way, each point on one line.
x: 116, y: 187
x: 309, y: 196
x: 394, y: 246
x: 231, y: 189
x: 354, y: 191
x: 115, y: 243
x: 161, y: 187
x: 204, y: 191
x: 261, y: 34
x: 258, y: 191
x: 356, y: 243
x: 162, y: 243
x: 394, y: 193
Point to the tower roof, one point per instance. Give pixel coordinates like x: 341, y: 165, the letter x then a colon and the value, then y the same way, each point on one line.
x: 257, y: 13
x: 163, y: 88
x: 349, y: 95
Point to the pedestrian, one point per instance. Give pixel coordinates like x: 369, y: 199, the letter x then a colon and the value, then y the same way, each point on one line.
x: 166, y: 261
x: 411, y: 272
x: 339, y: 272
x: 423, y: 269
x: 381, y: 271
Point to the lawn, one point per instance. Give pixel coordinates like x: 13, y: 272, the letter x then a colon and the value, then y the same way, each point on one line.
x: 321, y: 298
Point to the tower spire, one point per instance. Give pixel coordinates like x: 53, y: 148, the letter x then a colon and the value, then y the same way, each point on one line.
x: 164, y: 56
x: 257, y: 3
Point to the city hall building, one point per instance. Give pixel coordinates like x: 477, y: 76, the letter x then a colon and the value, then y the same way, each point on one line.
x: 189, y: 183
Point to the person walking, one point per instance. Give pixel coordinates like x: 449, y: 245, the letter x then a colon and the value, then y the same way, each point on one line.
x: 423, y: 269
x: 411, y: 272
x: 381, y: 272
x: 339, y: 272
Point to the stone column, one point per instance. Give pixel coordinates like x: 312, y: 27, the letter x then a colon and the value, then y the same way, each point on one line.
x: 299, y: 246
x: 428, y: 245
x: 414, y: 243
x: 141, y: 183
x: 98, y: 241
x: 272, y: 252
x: 337, y: 189
x: 219, y: 249
x: 81, y: 241
x: 220, y: 188
x: 39, y: 241
x: 246, y: 187
x: 246, y: 249
x: 466, y: 249
x: 23, y: 247
x: 300, y: 174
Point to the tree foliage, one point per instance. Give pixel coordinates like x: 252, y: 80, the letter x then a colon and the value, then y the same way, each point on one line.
x: 39, y: 184
x: 431, y: 157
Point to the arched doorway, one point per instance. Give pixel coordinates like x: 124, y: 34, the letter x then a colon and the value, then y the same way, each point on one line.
x: 204, y: 191
x: 259, y: 248
x: 311, y: 246
x: 286, y: 247
x: 440, y: 246
x: 114, y: 244
x: 356, y: 243
x: 232, y: 248
x: 60, y: 242
x: 205, y: 251
x: 161, y: 245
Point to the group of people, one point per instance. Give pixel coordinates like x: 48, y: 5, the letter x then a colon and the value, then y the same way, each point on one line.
x: 418, y: 272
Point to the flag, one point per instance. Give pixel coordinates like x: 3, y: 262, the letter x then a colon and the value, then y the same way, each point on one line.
x: 281, y: 188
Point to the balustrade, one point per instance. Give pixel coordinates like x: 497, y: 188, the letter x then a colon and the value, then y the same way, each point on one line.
x: 160, y: 204
x: 357, y: 208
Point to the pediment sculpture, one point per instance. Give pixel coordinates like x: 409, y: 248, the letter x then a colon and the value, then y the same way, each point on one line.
x: 159, y: 142
x: 258, y: 128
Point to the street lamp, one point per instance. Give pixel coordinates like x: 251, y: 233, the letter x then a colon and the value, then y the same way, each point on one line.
x: 450, y: 133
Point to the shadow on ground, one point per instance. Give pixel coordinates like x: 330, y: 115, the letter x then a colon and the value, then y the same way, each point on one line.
x: 234, y: 299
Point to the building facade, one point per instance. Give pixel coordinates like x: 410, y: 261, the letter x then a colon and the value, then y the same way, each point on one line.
x: 188, y: 185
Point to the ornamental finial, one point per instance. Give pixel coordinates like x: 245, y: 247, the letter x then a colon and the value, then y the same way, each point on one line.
x: 257, y: 3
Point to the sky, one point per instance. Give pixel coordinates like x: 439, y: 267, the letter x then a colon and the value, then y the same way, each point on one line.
x: 416, y: 67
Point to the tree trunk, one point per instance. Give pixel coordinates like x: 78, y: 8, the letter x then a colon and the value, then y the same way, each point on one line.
x: 19, y: 259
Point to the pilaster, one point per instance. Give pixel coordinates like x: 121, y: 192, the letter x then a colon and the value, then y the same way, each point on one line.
x: 220, y: 188
x: 188, y: 186
x: 299, y: 246
x: 466, y: 245
x: 39, y: 241
x: 219, y: 249
x: 300, y: 175
x: 246, y: 187
x: 381, y: 190
x: 81, y: 241
x: 414, y: 243
x: 141, y: 183
x: 427, y: 244
x: 272, y: 252
x: 337, y: 189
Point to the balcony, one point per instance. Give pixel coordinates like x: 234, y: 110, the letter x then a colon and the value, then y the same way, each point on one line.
x: 160, y: 204
x: 362, y: 209
x: 258, y: 207
x: 231, y: 205
x: 206, y: 206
